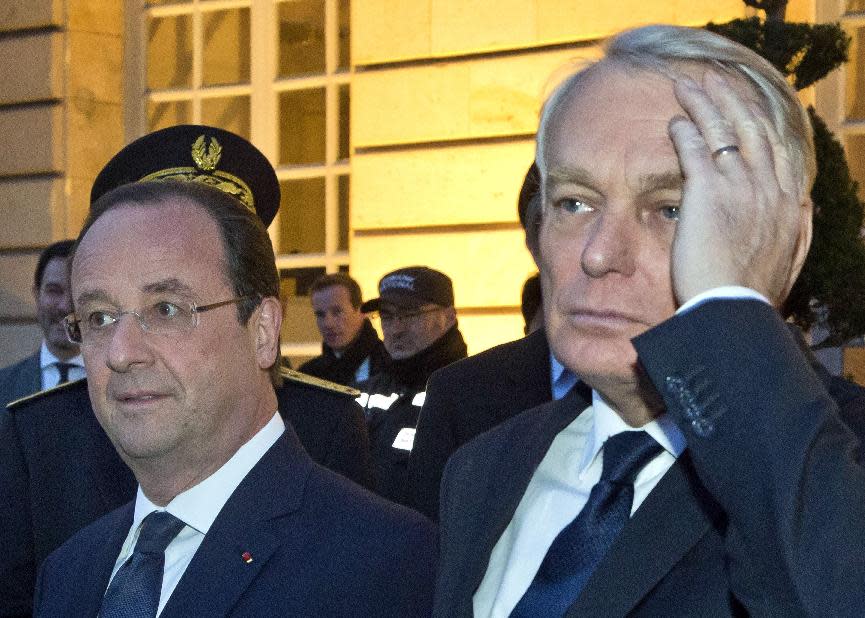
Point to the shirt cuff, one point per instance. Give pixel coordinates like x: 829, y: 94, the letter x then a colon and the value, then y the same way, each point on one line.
x: 725, y: 292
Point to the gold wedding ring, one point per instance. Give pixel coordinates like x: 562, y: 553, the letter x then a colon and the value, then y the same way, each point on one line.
x: 724, y: 150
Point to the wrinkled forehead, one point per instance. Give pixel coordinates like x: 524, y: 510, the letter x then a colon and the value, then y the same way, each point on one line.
x: 134, y: 241
x: 646, y: 89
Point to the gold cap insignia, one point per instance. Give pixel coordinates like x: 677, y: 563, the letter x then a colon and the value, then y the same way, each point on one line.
x: 206, y: 156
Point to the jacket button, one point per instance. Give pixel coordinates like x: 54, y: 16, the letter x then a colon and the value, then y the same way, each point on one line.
x: 703, y: 427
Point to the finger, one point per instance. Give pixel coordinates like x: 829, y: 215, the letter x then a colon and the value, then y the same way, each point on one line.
x: 751, y: 135
x: 715, y: 129
x: 785, y: 170
x: 694, y: 157
x: 717, y: 132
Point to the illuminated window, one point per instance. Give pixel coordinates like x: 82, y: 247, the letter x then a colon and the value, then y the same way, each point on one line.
x: 853, y: 121
x: 278, y: 73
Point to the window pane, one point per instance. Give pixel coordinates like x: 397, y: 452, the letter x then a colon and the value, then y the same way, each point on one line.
x: 301, y: 216
x: 343, y: 189
x: 855, y: 86
x: 169, y: 52
x: 855, y: 147
x: 345, y: 34
x: 301, y: 126
x: 344, y: 118
x: 301, y: 37
x: 162, y: 115
x: 230, y: 113
x: 226, y: 47
x: 298, y: 322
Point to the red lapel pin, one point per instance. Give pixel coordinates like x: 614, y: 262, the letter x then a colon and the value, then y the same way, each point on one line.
x: 247, y: 557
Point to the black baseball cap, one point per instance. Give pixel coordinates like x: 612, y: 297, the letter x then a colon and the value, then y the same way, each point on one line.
x: 413, y: 287
x: 196, y: 153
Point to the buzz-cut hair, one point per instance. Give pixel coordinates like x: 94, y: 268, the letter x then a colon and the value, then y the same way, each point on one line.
x: 669, y: 51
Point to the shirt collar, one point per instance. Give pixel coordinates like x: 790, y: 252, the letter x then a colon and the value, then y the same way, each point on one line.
x: 606, y: 422
x: 562, y: 379
x: 199, y: 505
x: 47, y: 359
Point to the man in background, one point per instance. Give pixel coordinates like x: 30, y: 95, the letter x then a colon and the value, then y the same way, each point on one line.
x: 419, y: 322
x: 57, y: 360
x: 351, y: 351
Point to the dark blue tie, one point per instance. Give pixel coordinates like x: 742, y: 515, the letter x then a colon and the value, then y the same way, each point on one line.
x: 64, y: 368
x: 581, y: 545
x: 134, y: 591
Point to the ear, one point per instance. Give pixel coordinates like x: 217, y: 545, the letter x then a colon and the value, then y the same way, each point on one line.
x: 268, y: 321
x: 803, y: 243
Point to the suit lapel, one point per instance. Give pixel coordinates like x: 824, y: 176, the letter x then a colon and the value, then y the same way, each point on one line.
x: 95, y: 566
x: 33, y: 376
x: 249, y: 529
x: 509, y: 484
x: 673, y: 518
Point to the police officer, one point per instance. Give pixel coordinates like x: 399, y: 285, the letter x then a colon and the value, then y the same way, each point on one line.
x: 419, y: 323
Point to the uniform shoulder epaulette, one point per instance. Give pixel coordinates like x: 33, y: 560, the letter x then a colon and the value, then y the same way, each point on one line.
x: 39, y: 394
x: 305, y: 378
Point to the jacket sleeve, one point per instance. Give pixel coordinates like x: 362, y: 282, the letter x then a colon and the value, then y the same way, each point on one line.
x: 349, y: 453
x: 434, y: 442
x: 768, y: 443
x: 17, y: 568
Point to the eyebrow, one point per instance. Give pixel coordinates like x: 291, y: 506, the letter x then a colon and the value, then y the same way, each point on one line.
x: 175, y: 286
x: 92, y: 296
x: 647, y: 183
x: 666, y: 181
x: 575, y: 175
x: 172, y: 285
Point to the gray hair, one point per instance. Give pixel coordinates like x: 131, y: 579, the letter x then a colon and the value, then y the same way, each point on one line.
x: 664, y: 49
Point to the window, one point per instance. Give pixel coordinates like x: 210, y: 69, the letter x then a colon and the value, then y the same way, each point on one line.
x: 853, y: 120
x: 278, y: 73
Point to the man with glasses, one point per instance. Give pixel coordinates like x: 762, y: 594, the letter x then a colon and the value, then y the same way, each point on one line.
x: 419, y: 324
x: 177, y: 311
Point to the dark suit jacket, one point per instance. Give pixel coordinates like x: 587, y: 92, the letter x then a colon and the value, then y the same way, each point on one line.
x: 762, y: 512
x: 19, y: 380
x: 320, y: 546
x: 60, y: 472
x: 469, y: 397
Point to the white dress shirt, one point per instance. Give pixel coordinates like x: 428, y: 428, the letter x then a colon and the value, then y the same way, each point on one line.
x: 198, y: 507
x: 50, y: 372
x: 557, y: 492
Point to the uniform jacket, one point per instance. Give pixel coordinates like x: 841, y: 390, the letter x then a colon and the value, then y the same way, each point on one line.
x: 320, y: 546
x: 21, y: 379
x: 758, y: 515
x: 468, y: 398
x: 60, y: 471
x: 393, y: 400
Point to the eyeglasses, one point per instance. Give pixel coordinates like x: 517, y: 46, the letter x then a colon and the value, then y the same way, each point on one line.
x: 162, y: 318
x: 404, y: 316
